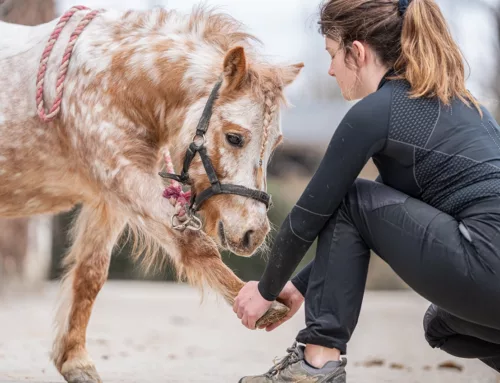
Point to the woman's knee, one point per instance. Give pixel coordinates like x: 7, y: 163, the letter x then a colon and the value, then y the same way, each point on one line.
x: 438, y: 335
x: 441, y: 333
x: 433, y: 327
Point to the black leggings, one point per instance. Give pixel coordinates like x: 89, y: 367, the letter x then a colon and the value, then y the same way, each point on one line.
x: 455, y: 264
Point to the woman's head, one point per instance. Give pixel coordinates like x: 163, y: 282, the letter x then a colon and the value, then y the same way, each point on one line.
x: 367, y: 37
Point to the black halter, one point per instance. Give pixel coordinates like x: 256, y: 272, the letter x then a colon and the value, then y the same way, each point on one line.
x: 198, y: 146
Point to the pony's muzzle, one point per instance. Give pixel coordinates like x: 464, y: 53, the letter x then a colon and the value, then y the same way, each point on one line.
x: 242, y: 239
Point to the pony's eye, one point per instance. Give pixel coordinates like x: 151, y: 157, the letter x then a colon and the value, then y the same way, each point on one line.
x: 234, y: 139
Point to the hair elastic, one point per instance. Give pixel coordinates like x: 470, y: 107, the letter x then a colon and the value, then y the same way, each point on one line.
x: 403, y: 5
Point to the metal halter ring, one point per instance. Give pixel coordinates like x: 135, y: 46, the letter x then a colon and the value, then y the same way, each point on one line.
x: 188, y: 223
x: 196, y: 139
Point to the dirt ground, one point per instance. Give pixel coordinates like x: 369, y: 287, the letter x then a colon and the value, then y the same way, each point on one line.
x: 159, y: 332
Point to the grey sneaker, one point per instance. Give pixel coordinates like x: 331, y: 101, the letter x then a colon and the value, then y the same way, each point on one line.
x: 293, y: 368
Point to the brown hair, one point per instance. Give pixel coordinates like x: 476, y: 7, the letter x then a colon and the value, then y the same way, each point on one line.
x: 417, y: 44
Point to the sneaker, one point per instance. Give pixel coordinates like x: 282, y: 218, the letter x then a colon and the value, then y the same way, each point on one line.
x: 293, y: 368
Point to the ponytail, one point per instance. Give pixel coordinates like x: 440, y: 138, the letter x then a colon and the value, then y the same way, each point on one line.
x: 429, y: 59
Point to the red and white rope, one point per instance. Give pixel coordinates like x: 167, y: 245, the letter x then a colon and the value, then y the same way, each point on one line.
x: 49, y: 115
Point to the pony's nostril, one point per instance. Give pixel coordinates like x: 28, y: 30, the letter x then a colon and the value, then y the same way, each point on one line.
x: 247, y: 238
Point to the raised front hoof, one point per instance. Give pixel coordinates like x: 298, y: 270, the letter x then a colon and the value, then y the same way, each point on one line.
x: 276, y: 312
x: 81, y: 374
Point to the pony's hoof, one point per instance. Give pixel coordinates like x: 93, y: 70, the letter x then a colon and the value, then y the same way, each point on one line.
x: 276, y: 312
x: 82, y: 374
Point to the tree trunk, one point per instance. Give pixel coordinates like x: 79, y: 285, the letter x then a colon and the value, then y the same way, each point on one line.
x: 25, y: 243
x: 27, y: 12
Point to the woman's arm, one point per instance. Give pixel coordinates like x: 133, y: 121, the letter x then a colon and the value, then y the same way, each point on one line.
x: 362, y: 133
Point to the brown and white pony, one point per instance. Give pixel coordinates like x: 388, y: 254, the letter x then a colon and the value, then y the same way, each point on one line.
x: 137, y: 82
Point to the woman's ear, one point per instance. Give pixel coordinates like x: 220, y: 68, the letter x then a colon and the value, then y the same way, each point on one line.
x: 359, y: 53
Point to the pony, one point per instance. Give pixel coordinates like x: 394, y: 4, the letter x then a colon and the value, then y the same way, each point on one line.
x: 129, y: 89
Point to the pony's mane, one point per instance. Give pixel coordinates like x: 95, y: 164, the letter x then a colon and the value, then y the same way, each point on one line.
x: 218, y: 30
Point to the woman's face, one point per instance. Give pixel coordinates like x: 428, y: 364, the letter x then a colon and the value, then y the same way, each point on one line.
x: 346, y: 77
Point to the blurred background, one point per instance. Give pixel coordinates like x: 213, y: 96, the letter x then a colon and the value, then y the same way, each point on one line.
x: 31, y: 249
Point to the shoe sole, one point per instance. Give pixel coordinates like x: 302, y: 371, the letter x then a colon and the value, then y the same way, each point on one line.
x: 335, y: 379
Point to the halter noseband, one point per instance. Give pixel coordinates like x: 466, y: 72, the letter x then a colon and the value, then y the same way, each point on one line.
x: 198, y: 146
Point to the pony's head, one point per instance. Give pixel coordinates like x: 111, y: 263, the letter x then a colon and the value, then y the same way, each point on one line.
x: 213, y: 78
x: 165, y: 68
x: 242, y: 133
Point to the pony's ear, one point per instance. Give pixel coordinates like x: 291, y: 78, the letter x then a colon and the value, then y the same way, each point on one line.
x: 289, y: 73
x: 235, y: 68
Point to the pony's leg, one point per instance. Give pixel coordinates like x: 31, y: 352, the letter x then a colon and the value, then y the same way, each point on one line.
x: 94, y: 234
x: 200, y: 263
x: 195, y: 254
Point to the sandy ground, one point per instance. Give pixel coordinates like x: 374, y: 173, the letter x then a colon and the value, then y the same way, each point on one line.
x: 157, y: 332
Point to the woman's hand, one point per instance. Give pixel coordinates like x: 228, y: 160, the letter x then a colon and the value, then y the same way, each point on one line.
x: 249, y: 305
x: 290, y: 297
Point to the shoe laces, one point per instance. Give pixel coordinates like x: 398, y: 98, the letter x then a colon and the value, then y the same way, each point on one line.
x: 292, y: 357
